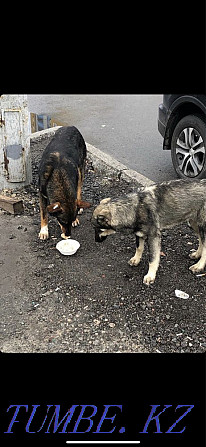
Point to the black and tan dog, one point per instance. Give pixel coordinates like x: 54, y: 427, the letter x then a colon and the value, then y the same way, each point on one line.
x: 61, y: 173
x: 151, y: 210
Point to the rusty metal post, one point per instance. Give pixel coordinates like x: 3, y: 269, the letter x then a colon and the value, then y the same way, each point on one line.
x: 15, y: 130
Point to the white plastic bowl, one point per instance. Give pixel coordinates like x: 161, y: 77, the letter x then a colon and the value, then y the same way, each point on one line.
x: 68, y: 246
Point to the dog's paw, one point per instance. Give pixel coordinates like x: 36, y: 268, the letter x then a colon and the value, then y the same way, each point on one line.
x: 44, y: 233
x: 80, y: 211
x: 196, y: 268
x: 65, y: 237
x: 134, y: 261
x: 75, y: 223
x: 195, y: 255
x: 148, y: 279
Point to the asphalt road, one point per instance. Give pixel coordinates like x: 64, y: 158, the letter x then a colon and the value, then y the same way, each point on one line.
x: 123, y: 126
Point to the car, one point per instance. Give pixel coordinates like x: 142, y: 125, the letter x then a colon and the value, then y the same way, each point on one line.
x: 182, y: 123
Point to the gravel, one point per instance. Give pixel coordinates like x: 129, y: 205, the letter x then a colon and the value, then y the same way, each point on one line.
x: 94, y: 301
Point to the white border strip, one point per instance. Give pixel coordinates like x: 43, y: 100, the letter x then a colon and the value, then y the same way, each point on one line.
x: 102, y: 442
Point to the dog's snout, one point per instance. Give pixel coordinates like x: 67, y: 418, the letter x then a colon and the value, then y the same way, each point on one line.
x: 98, y: 237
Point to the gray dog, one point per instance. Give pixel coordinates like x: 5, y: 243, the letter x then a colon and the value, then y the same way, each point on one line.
x: 152, y: 209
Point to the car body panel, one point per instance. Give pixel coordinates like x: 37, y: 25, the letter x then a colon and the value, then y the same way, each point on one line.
x: 173, y: 108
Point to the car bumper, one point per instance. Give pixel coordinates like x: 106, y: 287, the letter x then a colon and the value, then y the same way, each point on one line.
x: 162, y: 119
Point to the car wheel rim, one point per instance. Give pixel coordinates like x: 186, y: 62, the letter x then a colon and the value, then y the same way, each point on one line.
x: 190, y: 152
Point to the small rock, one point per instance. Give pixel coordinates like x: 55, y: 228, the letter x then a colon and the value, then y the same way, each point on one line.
x: 46, y: 293
x: 96, y: 322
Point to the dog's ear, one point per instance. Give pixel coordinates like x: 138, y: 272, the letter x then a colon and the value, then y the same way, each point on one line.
x: 54, y: 208
x: 82, y: 204
x: 104, y: 201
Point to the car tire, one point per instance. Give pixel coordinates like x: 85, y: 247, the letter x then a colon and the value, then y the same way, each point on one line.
x: 188, y: 148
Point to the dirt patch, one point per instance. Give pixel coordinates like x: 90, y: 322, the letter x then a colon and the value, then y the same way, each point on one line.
x: 94, y: 301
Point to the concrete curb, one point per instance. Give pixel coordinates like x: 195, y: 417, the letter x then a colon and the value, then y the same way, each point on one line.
x: 46, y: 133
x: 105, y: 162
x: 102, y: 161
